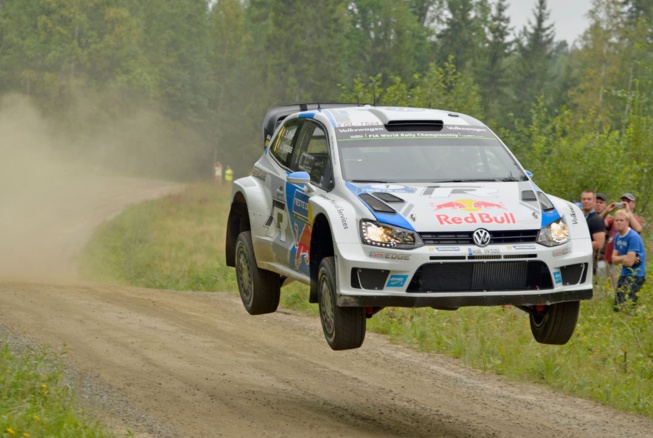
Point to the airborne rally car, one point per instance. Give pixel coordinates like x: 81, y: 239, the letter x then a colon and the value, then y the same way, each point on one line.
x: 377, y: 207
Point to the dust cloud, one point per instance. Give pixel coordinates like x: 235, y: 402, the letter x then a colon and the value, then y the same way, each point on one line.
x: 56, y: 188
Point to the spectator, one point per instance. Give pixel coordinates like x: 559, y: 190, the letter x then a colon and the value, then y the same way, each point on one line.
x: 218, y: 173
x: 594, y: 222
x: 629, y: 252
x: 229, y: 174
x: 628, y: 205
x: 635, y: 222
x: 601, y: 205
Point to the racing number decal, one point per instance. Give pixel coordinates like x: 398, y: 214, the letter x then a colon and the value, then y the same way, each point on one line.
x: 278, y: 221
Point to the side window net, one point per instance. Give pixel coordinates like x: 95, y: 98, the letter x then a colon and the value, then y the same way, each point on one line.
x: 283, y: 146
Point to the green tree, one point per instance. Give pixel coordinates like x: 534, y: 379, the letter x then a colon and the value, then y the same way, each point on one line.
x: 234, y: 84
x: 175, y: 42
x: 614, y: 57
x: 492, y: 74
x: 440, y: 87
x: 53, y: 48
x: 598, y: 60
x: 386, y: 37
x: 301, y: 50
x: 533, y: 60
x: 461, y: 33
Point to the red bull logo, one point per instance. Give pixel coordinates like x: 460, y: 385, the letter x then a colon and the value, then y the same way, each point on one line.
x: 466, y: 205
x: 473, y: 207
x: 303, y: 245
x: 476, y: 218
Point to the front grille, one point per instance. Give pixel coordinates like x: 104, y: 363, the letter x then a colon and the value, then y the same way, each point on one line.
x: 465, y: 238
x: 481, y: 277
x: 373, y: 279
x: 573, y: 274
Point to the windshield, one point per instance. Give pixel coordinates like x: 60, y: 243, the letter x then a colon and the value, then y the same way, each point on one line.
x: 382, y: 156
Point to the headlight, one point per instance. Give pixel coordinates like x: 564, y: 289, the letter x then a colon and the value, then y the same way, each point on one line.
x: 387, y: 236
x: 556, y: 233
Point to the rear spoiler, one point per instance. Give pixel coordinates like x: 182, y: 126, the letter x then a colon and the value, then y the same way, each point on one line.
x: 276, y: 114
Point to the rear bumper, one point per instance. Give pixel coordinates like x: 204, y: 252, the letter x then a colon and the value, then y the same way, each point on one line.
x: 464, y: 300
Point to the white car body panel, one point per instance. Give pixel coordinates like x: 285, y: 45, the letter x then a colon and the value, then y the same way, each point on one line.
x: 281, y: 216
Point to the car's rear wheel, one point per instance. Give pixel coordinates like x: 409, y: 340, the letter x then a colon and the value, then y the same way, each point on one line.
x: 343, y: 327
x: 259, y: 289
x: 554, y: 324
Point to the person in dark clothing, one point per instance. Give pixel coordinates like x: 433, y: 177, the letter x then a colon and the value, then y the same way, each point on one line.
x: 595, y: 224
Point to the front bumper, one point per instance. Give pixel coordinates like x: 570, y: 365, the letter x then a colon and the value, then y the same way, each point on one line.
x: 459, y: 276
x: 525, y: 299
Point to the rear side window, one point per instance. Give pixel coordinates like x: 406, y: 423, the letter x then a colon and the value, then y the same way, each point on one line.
x: 284, y: 144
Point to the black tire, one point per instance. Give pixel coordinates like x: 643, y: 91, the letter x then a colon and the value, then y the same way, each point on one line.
x: 259, y: 289
x: 556, y: 323
x: 343, y: 327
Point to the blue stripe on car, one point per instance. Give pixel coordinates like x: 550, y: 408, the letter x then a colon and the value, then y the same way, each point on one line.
x: 352, y: 187
x: 393, y: 219
x: 329, y: 116
x: 548, y: 217
x: 387, y: 218
x: 307, y: 115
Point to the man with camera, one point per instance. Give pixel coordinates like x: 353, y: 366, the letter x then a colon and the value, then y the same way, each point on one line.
x: 627, y: 204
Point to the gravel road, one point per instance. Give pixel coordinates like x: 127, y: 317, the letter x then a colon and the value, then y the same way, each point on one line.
x: 168, y: 364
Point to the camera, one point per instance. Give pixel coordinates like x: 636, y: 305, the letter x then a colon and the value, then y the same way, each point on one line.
x: 618, y: 205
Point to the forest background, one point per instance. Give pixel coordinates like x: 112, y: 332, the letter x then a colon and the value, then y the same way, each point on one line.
x: 163, y: 88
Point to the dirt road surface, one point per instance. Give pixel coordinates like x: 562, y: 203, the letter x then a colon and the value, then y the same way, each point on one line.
x: 171, y: 364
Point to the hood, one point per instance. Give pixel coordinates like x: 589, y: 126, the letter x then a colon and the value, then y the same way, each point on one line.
x: 458, y: 206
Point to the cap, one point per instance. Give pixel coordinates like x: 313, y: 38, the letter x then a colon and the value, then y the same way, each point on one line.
x: 601, y: 196
x: 628, y: 196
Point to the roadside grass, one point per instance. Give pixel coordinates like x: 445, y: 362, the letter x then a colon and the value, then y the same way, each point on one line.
x: 35, y: 401
x: 177, y: 242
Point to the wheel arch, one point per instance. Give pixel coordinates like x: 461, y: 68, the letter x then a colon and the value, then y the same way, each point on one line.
x: 321, y: 246
x: 237, y: 222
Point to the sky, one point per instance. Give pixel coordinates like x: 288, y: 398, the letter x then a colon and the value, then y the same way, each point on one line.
x: 568, y: 16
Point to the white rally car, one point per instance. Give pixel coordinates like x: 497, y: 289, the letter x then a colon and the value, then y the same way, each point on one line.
x: 383, y: 206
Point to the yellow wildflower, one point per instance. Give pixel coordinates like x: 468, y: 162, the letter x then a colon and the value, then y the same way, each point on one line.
x: 10, y: 431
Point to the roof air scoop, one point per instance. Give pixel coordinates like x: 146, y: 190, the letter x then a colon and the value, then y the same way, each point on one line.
x: 414, y: 125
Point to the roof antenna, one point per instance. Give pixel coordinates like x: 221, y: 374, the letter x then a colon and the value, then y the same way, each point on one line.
x: 319, y: 108
x: 374, y: 89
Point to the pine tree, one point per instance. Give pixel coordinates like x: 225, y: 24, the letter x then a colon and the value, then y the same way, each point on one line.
x: 458, y: 35
x: 492, y: 69
x: 386, y: 38
x: 532, y: 70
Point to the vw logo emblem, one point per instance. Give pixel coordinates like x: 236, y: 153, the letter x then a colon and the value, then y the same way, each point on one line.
x: 481, y: 237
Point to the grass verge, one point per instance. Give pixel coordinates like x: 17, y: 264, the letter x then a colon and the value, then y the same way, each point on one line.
x: 35, y: 401
x: 177, y: 242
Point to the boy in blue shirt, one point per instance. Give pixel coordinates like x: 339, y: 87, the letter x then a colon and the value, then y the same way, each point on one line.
x: 629, y: 252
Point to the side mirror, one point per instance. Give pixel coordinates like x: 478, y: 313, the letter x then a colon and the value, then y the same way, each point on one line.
x: 300, y: 178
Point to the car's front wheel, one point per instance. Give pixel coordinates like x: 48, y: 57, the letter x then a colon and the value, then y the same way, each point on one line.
x: 343, y: 327
x: 259, y: 289
x: 554, y: 324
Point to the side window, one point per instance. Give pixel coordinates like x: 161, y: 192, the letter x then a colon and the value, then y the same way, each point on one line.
x: 313, y: 156
x: 285, y: 143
